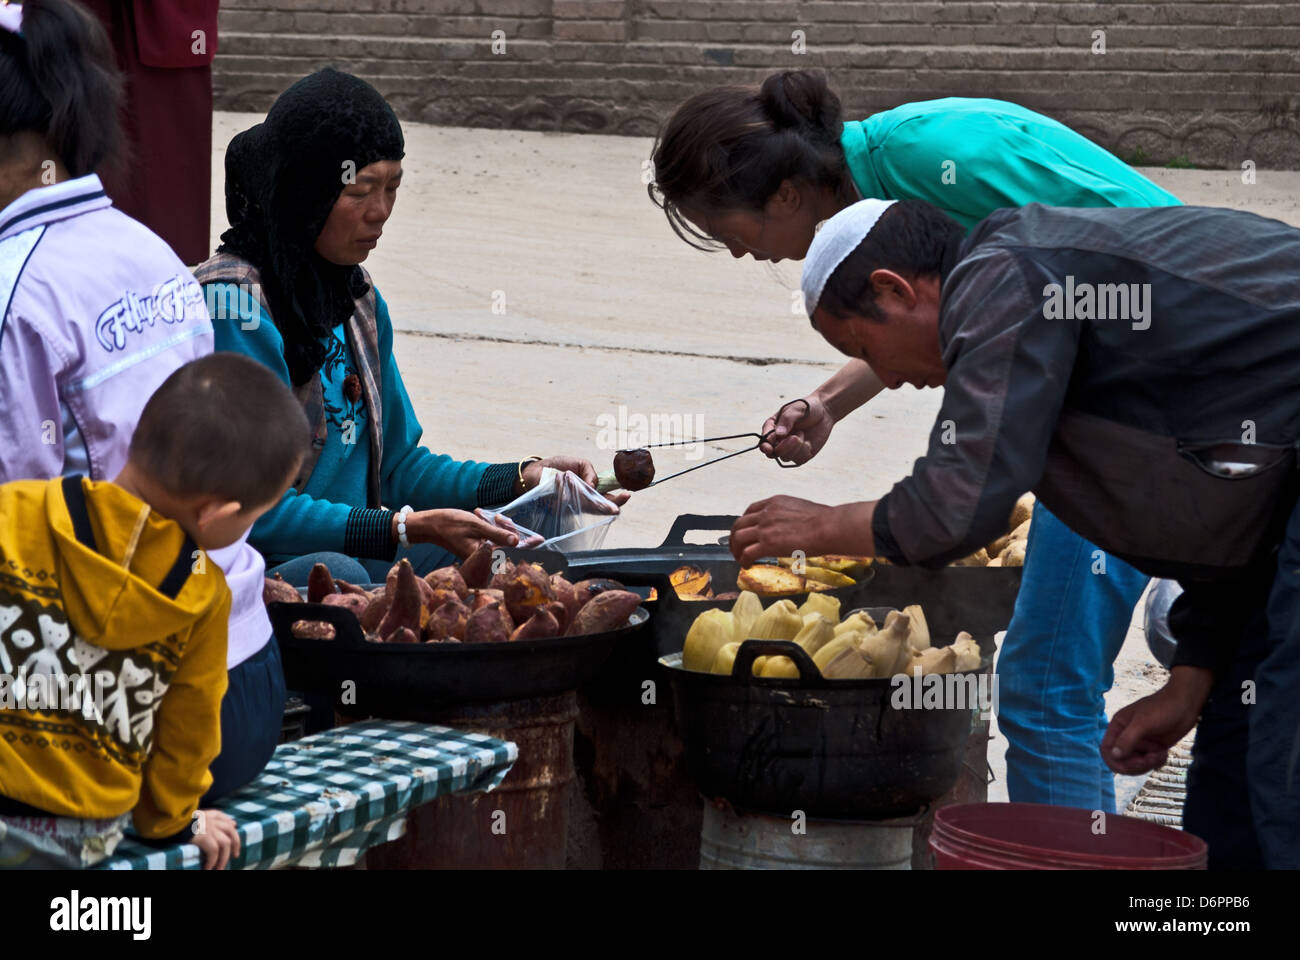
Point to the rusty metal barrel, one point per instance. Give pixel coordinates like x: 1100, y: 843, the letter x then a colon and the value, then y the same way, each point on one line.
x: 633, y: 807
x: 524, y: 822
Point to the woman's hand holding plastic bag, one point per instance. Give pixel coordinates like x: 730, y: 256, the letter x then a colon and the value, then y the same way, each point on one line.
x: 563, y: 509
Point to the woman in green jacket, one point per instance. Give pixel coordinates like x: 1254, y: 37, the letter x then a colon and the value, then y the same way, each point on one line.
x: 755, y: 170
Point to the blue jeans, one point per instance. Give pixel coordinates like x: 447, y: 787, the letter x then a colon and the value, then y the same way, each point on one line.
x: 1056, y: 664
x: 424, y: 557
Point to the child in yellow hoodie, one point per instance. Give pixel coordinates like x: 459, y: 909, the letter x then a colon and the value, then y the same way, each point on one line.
x: 113, y: 623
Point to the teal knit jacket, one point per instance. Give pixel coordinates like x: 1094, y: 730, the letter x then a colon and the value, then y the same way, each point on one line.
x: 330, y: 511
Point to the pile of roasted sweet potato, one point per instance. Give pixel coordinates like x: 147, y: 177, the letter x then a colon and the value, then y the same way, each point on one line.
x: 482, y: 600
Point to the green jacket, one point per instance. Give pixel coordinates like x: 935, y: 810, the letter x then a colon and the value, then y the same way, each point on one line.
x: 971, y: 156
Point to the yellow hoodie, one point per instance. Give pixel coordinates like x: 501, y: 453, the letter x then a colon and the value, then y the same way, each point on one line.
x: 96, y: 589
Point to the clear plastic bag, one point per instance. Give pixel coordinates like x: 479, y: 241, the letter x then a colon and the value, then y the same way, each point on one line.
x: 564, y: 510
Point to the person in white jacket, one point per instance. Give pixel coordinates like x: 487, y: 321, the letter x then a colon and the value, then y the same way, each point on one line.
x: 95, y: 312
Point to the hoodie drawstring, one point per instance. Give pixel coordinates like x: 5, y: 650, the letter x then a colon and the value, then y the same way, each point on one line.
x: 135, y: 535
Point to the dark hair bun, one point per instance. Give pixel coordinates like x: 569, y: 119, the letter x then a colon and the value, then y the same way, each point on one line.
x: 802, y: 100
x: 60, y: 80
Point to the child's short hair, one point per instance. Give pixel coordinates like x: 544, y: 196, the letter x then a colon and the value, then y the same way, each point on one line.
x: 223, y: 425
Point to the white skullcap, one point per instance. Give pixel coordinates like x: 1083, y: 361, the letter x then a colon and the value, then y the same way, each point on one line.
x: 838, y: 237
x: 11, y: 17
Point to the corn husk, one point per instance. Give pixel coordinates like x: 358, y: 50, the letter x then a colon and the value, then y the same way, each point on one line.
x: 780, y: 621
x: 840, y: 642
x: 967, y: 653
x: 816, y: 633
x: 707, y: 635
x: 747, y: 608
x: 778, y: 667
x: 1022, y: 511
x: 1014, y: 554
x: 887, y: 648
x: 859, y: 622
x: 725, y: 659
x: 933, y: 660
x: 918, y: 635
x: 827, y: 606
x: 850, y: 661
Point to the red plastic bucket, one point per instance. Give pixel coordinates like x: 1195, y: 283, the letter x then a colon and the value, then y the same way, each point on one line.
x: 1034, y: 836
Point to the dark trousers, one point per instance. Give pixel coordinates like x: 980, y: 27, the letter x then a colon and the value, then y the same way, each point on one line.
x: 252, y: 713
x: 1243, y: 788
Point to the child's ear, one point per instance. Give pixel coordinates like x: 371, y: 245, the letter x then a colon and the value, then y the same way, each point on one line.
x: 215, y: 511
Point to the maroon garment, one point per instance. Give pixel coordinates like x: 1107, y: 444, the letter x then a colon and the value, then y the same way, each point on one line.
x: 166, y: 181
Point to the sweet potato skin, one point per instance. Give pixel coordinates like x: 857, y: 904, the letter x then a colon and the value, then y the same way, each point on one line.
x: 277, y: 590
x: 526, y: 590
x: 485, y: 596
x: 376, y: 610
x: 313, y: 630
x: 540, y: 625
x: 502, y: 574
x: 320, y: 584
x: 488, y: 624
x: 567, y: 595
x: 476, y: 570
x: 357, y: 603
x: 448, y: 578
x: 634, y: 469
x: 440, y: 596
x: 406, y: 607
x: 606, y: 611
x: 448, y: 621
x: 588, y: 589
x: 561, y: 614
x: 403, y: 635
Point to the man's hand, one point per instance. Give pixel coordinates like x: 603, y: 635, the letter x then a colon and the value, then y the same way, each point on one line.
x: 1139, y: 736
x: 800, y: 432
x: 219, y: 840
x: 778, y: 526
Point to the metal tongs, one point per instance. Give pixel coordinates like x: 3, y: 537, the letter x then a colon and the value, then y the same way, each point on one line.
x: 759, y: 439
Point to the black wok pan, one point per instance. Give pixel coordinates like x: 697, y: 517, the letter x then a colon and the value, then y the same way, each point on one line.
x: 417, y: 681
x: 832, y: 748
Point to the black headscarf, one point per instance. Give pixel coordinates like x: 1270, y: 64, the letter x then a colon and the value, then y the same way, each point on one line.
x: 283, y: 177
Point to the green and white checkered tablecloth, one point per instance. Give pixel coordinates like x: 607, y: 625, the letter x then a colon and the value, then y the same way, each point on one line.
x: 324, y: 800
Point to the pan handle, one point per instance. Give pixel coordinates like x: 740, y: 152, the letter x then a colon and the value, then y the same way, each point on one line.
x: 695, y: 521
x: 347, y: 628
x: 751, y: 650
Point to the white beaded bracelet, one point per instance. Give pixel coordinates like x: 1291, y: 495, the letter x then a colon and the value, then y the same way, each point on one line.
x: 401, y: 526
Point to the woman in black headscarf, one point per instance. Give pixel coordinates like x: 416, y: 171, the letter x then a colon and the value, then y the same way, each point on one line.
x: 307, y: 193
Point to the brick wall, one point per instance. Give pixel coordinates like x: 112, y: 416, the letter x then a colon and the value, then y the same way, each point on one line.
x: 1210, y: 83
